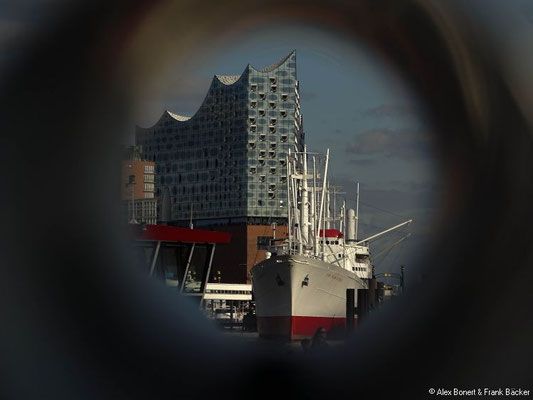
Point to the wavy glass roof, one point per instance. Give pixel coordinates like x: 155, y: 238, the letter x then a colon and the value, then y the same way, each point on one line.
x: 227, y: 80
x: 177, y: 117
x: 276, y: 65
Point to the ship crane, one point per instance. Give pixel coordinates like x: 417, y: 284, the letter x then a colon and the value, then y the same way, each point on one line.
x: 387, y: 249
x: 377, y: 235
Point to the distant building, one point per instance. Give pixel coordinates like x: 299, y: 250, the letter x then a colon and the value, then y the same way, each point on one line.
x: 227, y: 162
x: 138, y: 187
x: 225, y: 167
x: 247, y: 248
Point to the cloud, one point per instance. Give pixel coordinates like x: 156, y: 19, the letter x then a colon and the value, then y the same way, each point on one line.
x: 400, y: 200
x: 401, y: 144
x: 395, y: 196
x: 527, y: 11
x: 389, y: 110
x: 427, y: 186
x: 362, y: 161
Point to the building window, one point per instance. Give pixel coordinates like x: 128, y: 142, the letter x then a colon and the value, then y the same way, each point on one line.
x: 272, y: 79
x: 262, y: 137
x: 253, y: 104
x: 262, y: 96
x: 149, y: 178
x: 273, y: 171
x: 253, y: 87
x: 262, y: 178
x: 253, y: 128
x: 263, y: 242
x: 262, y: 113
x: 251, y: 145
x: 273, y: 121
x: 273, y: 88
x: 272, y: 129
x: 253, y: 170
x: 148, y: 187
x: 283, y: 113
x: 252, y: 120
x: 283, y: 138
x: 272, y: 104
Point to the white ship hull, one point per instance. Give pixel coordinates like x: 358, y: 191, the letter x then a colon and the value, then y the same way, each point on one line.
x: 295, y: 295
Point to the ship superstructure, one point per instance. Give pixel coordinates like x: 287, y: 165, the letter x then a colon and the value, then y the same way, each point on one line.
x: 302, y: 284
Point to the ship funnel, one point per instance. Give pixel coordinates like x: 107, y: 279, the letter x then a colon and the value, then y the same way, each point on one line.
x: 350, y: 225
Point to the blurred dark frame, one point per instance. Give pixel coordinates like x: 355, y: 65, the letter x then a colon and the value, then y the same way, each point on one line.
x: 74, y: 327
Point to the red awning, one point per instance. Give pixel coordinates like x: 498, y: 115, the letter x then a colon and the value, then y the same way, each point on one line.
x: 173, y: 234
x: 331, y: 233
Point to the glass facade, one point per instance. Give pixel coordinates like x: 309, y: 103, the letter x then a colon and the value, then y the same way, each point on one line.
x: 181, y: 265
x: 228, y: 160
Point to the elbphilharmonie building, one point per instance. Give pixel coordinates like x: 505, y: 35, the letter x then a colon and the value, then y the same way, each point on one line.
x: 227, y: 163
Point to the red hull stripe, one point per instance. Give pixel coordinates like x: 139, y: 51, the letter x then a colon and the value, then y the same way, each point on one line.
x: 297, y: 327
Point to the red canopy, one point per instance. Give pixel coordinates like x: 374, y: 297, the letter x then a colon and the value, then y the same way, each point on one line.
x: 166, y: 233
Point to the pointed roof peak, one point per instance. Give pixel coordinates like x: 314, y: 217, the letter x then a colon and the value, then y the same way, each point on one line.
x: 276, y: 64
x: 228, y: 79
x: 177, y: 117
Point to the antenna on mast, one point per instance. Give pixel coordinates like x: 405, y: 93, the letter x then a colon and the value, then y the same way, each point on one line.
x: 313, y: 207
x: 356, y: 211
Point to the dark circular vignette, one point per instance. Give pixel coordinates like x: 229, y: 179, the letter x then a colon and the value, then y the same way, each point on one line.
x: 77, y: 324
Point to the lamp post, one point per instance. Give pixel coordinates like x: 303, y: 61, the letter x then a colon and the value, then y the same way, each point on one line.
x: 400, y: 276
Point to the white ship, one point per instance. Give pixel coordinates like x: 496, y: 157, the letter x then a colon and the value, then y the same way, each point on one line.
x: 302, y: 284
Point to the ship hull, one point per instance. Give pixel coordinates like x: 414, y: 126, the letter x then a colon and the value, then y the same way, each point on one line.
x: 295, y: 295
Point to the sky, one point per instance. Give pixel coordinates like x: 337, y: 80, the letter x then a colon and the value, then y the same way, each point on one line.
x: 351, y: 101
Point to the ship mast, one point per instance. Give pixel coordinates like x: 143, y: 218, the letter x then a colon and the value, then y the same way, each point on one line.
x: 356, y: 211
x: 289, y: 221
x: 312, y: 234
x: 334, y: 210
x: 304, y: 215
x: 294, y: 201
x: 322, y: 199
x: 328, y: 208
x: 343, y: 223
